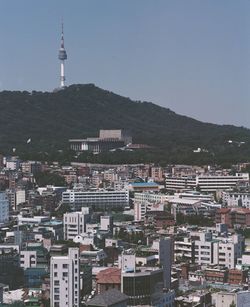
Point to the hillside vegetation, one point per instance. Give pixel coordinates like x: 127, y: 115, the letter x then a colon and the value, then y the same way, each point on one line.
x: 78, y: 111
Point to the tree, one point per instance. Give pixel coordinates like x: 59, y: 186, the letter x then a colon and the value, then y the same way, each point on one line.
x: 48, y: 178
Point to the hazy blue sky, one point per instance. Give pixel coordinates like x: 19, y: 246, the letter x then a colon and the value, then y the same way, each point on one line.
x: 192, y: 56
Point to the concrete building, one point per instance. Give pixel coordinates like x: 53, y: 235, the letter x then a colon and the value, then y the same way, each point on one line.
x: 28, y: 259
x: 227, y: 299
x: 107, y: 140
x: 151, y: 197
x: 148, y: 285
x: 206, y: 183
x: 101, y: 199
x: 190, y: 194
x: 184, y: 205
x: 142, y: 208
x: 74, y: 223
x: 4, y: 208
x: 65, y: 280
x: 119, y: 134
x: 233, y: 199
x: 144, y: 187
x: 20, y: 197
x: 184, y: 249
x: 165, y: 260
x: 239, y: 217
x: 156, y: 173
x: 218, y: 250
x: 106, y: 223
x: 31, y: 167
x: 35, y: 220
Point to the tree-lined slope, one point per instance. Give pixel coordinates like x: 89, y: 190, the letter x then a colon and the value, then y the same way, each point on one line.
x: 78, y: 111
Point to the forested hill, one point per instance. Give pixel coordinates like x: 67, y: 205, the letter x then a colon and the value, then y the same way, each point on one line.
x: 78, y: 111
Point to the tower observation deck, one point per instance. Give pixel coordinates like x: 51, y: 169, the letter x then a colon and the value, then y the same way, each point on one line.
x: 62, y: 56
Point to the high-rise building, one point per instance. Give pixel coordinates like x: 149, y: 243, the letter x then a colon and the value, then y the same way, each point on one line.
x: 65, y: 280
x: 165, y: 260
x: 4, y: 208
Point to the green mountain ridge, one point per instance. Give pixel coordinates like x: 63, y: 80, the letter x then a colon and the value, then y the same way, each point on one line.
x: 78, y: 111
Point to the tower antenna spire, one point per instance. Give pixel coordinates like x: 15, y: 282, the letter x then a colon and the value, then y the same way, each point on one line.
x: 62, y: 57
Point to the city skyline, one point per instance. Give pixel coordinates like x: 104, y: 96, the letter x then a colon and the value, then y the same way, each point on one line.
x: 190, y: 57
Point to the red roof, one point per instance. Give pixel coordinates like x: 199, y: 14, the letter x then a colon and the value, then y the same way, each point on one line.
x: 109, y: 276
x: 224, y: 210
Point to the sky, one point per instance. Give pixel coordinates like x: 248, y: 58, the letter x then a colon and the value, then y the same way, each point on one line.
x: 190, y: 56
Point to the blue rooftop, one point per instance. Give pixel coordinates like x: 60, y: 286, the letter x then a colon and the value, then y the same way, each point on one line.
x: 144, y: 184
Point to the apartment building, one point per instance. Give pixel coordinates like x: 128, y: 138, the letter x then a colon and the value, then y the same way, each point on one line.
x: 20, y: 198
x: 31, y: 167
x: 211, y: 249
x: 101, y: 199
x: 142, y: 208
x: 65, y: 280
x: 28, y: 259
x: 234, y: 199
x: 74, y: 223
x: 184, y: 249
x: 156, y: 173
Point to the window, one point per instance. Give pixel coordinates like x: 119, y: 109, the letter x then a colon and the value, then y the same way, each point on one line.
x: 55, y: 266
x: 56, y: 283
x: 65, y: 266
x: 56, y: 290
x: 56, y: 297
x: 55, y: 274
x: 65, y: 274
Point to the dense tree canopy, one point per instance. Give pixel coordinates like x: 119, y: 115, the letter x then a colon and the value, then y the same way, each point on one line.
x: 78, y: 111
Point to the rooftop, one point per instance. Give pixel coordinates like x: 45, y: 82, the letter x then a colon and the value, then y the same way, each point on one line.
x: 108, y: 298
x: 109, y: 276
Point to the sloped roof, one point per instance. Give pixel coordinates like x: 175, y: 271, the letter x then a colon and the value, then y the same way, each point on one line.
x: 109, y: 276
x: 108, y: 298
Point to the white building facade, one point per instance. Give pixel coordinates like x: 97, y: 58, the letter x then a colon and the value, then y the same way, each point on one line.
x: 65, y: 280
x: 74, y: 223
x: 96, y: 199
x: 28, y: 259
x: 206, y: 183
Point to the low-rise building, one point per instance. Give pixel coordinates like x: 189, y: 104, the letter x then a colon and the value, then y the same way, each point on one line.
x: 108, y: 279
